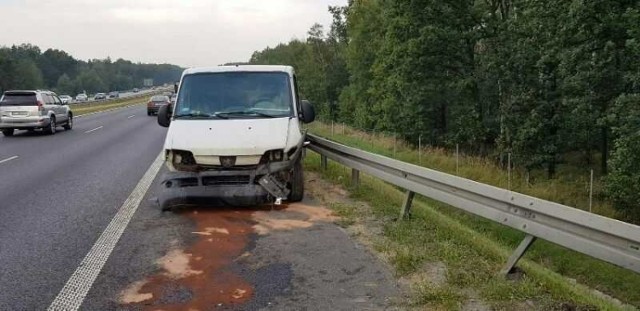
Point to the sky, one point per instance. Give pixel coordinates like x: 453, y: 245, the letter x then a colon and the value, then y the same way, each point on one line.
x: 182, y: 32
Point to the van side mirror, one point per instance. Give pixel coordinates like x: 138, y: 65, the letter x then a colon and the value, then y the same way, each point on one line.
x: 175, y: 88
x: 308, y: 112
x: 164, y: 115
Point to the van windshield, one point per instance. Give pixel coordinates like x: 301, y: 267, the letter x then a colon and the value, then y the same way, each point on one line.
x: 235, y: 95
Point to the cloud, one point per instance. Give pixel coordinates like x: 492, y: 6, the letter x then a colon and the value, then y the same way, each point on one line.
x: 184, y: 32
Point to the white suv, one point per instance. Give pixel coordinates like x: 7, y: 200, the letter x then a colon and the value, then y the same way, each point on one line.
x: 30, y: 110
x: 235, y: 137
x: 82, y: 97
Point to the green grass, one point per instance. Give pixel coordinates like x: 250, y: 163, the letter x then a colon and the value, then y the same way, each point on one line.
x: 570, y: 187
x: 82, y: 109
x: 475, y: 249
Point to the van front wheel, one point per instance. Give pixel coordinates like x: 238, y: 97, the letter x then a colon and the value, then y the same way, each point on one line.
x: 297, y: 183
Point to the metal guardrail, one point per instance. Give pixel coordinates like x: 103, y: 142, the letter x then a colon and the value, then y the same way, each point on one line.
x: 600, y: 237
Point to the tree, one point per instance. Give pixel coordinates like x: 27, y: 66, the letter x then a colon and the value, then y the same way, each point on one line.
x: 365, y: 32
x: 65, y: 85
x: 27, y: 75
x: 90, y: 81
x: 623, y: 182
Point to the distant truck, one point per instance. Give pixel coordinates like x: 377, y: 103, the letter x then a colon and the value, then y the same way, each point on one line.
x: 235, y: 137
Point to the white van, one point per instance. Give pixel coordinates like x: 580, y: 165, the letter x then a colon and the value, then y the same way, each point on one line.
x: 235, y: 137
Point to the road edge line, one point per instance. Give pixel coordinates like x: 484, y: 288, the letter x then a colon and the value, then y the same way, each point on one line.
x: 77, y: 287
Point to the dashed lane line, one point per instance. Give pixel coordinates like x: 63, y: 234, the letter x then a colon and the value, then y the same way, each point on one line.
x: 95, y: 129
x: 8, y: 159
x: 77, y: 287
x: 131, y: 116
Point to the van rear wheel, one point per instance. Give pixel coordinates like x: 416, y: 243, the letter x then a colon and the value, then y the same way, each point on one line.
x: 297, y: 183
x: 8, y: 132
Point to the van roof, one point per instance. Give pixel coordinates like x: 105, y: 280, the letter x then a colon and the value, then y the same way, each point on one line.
x: 240, y: 68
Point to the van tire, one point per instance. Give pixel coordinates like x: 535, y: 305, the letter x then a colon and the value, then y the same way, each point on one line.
x: 8, y: 132
x: 297, y: 183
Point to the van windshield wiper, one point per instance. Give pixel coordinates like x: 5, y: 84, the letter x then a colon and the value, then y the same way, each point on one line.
x: 246, y: 113
x: 198, y: 115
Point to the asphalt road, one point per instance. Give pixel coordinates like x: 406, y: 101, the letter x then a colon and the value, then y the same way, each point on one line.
x: 58, y: 194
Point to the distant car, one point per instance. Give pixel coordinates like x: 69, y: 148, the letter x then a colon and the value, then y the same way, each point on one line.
x: 136, y: 90
x: 65, y: 99
x: 156, y: 102
x: 82, y: 97
x: 114, y: 95
x: 100, y: 96
x: 31, y: 110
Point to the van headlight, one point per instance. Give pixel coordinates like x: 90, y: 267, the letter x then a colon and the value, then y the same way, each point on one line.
x: 181, y: 157
x: 272, y: 156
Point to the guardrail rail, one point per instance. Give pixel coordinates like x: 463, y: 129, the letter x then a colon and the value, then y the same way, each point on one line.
x: 600, y: 237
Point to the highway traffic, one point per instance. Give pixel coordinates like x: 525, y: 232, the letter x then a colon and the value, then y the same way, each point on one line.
x: 81, y: 228
x: 59, y: 192
x: 121, y: 95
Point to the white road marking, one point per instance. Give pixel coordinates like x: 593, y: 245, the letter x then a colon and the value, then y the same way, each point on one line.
x: 77, y: 287
x: 95, y: 129
x: 8, y: 159
x: 131, y: 116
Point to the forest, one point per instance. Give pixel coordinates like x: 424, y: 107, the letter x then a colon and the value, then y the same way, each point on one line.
x: 552, y: 82
x: 25, y: 66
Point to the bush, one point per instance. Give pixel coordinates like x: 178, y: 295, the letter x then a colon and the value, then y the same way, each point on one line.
x: 623, y: 182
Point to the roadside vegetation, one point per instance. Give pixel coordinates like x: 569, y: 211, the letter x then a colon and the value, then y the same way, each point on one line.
x: 554, y: 84
x: 26, y: 67
x: 472, y: 248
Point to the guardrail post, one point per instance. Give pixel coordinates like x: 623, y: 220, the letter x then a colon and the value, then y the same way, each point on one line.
x: 405, y: 212
x: 323, y: 162
x: 355, y: 177
x: 517, y: 254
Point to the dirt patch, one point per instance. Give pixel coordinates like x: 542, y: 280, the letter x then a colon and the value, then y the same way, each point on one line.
x: 432, y: 273
x: 366, y: 229
x: 295, y: 216
x: 324, y: 190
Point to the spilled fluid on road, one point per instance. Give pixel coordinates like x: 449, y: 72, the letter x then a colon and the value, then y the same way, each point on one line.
x: 201, y: 276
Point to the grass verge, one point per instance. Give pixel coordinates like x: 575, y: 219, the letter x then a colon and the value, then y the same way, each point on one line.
x: 82, y: 109
x: 477, y: 248
x: 570, y: 187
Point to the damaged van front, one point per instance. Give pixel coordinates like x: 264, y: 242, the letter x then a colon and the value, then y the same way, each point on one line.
x: 235, y: 137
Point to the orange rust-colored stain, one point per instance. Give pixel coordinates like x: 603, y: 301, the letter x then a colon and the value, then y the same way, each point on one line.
x: 203, y: 268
